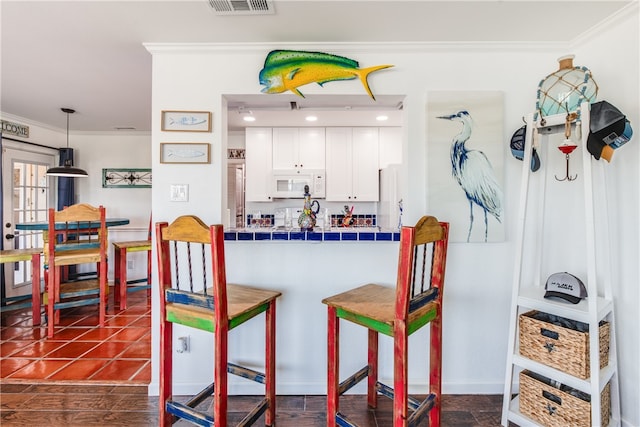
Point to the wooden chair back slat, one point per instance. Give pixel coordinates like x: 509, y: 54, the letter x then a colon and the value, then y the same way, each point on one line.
x: 178, y: 245
x: 422, y: 253
x: 77, y: 227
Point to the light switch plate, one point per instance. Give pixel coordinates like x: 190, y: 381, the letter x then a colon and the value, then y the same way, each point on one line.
x: 179, y: 193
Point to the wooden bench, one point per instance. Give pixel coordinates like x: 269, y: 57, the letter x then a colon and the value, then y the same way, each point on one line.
x: 33, y: 255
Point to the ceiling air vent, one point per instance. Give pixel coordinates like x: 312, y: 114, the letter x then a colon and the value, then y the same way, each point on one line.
x: 242, y: 7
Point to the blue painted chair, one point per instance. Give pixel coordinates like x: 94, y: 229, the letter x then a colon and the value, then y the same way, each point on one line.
x: 194, y: 292
x: 76, y: 235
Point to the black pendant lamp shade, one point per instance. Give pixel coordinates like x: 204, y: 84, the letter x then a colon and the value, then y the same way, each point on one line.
x: 67, y: 170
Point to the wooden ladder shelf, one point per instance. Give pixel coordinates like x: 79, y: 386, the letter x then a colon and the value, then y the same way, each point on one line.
x: 536, y: 238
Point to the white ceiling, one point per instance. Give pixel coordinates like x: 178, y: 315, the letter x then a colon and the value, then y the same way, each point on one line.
x: 89, y: 55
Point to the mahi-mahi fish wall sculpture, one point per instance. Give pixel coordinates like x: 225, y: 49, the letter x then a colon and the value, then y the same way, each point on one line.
x: 289, y: 69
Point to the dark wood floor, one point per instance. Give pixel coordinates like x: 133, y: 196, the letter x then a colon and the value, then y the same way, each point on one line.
x: 70, y: 405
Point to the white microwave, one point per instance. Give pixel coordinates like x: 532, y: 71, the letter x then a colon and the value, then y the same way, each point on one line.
x: 290, y: 184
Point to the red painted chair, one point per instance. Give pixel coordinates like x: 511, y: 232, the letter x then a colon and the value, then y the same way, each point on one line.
x: 76, y: 235
x: 190, y: 251
x: 123, y: 285
x: 396, y: 312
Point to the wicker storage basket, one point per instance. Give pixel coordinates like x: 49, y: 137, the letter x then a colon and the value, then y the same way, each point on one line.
x: 562, y: 348
x: 553, y: 407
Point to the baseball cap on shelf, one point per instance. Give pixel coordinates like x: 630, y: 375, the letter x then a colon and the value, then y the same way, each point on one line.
x: 517, y: 148
x: 566, y: 287
x: 609, y: 129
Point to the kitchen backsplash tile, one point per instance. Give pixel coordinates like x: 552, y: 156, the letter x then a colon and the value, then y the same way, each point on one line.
x: 359, y: 221
x: 255, y: 221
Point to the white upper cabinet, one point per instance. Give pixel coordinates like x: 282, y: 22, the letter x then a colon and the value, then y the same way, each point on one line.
x: 352, y: 164
x: 298, y: 148
x: 390, y: 146
x: 258, y: 170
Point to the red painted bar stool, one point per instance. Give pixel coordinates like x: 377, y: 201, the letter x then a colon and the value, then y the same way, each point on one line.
x: 194, y: 292
x: 123, y: 285
x: 396, y: 312
x: 9, y: 256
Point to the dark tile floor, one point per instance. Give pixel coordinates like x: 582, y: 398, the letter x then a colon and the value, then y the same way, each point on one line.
x: 90, y: 376
x: 108, y: 405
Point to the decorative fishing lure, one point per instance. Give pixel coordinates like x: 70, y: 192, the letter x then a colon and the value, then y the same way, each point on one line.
x: 289, y: 69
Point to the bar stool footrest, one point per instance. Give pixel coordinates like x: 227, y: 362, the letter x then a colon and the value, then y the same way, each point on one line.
x: 187, y: 413
x: 343, y: 421
x: 387, y: 391
x: 422, y: 410
x: 256, y: 413
x: 353, y: 380
x: 247, y: 373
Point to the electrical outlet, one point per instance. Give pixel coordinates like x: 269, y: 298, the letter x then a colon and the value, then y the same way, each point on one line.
x: 183, y: 345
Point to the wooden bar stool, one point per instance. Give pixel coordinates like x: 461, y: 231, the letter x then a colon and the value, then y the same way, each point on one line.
x: 396, y: 312
x: 121, y: 283
x: 194, y: 292
x: 33, y: 255
x: 120, y: 251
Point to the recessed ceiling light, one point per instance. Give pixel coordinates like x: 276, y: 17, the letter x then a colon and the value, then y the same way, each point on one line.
x: 382, y: 118
x: 249, y: 119
x: 311, y: 118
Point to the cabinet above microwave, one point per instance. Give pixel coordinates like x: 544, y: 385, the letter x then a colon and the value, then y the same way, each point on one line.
x: 298, y: 148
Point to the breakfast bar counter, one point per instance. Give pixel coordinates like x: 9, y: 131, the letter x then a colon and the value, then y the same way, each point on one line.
x: 306, y: 272
x: 335, y: 234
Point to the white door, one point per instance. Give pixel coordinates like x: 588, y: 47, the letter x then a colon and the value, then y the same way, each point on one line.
x: 25, y: 199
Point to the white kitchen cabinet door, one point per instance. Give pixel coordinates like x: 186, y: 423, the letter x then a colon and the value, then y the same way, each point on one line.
x: 311, y: 148
x: 258, y: 168
x: 298, y: 148
x: 352, y: 164
x: 365, y: 151
x: 285, y: 148
x: 338, y: 177
x: 390, y: 146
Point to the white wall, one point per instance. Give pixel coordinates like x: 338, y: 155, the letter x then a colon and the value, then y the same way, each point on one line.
x: 620, y: 86
x: 93, y: 152
x: 478, y: 282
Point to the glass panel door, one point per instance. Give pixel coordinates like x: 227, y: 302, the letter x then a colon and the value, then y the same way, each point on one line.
x: 25, y: 199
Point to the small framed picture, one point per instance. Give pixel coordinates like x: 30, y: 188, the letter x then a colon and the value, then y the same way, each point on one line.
x: 184, y: 152
x: 186, y: 121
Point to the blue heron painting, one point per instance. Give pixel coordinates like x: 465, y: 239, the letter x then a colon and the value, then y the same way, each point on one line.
x: 474, y: 174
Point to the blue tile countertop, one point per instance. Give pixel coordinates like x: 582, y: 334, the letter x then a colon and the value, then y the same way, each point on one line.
x: 355, y: 234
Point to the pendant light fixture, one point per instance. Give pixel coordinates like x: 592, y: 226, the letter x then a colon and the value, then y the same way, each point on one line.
x: 67, y: 170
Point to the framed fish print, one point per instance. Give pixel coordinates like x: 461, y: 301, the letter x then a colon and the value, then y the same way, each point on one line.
x: 184, y: 152
x: 186, y: 121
